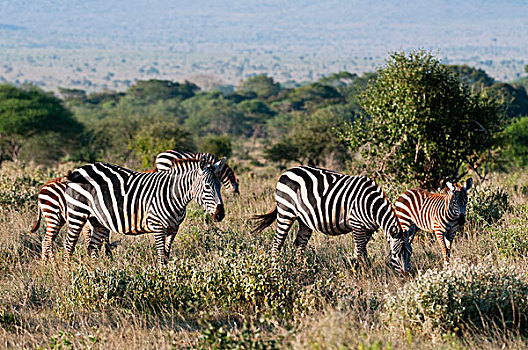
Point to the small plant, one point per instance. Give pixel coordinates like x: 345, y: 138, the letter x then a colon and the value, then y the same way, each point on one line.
x: 18, y: 192
x: 8, y: 320
x: 215, y: 336
x: 512, y: 238
x: 487, y: 205
x: 61, y: 341
x: 467, y: 295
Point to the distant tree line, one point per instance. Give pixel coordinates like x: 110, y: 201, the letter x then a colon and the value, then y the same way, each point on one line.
x: 414, y: 119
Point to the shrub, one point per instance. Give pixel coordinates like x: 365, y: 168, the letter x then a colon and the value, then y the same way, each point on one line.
x: 214, y: 336
x: 467, y: 295
x: 242, y: 282
x: 487, y: 204
x: 17, y: 193
x: 511, y: 238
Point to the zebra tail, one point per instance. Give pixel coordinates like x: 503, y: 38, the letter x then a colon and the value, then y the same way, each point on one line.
x: 264, y: 220
x: 37, y: 222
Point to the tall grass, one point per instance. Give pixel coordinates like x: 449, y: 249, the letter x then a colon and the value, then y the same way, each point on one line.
x: 221, y: 290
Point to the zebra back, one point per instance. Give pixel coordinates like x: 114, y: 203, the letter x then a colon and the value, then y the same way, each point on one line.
x: 334, y: 203
x: 432, y: 211
x: 124, y: 200
x: 165, y: 160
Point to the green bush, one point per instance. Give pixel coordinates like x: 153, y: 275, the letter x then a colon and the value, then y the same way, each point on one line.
x: 214, y: 336
x: 462, y: 297
x: 219, y: 146
x: 487, y: 204
x: 512, y: 237
x: 18, y: 192
x: 240, y: 283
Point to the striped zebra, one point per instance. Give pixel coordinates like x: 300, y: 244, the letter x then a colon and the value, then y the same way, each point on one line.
x: 439, y: 213
x: 52, y: 202
x: 112, y: 198
x: 334, y: 204
x: 165, y: 160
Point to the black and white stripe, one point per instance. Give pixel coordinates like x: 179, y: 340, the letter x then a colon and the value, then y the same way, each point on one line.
x: 334, y: 204
x: 112, y: 198
x: 165, y: 161
x: 439, y: 213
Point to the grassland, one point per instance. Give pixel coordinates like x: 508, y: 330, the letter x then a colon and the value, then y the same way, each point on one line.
x: 221, y: 290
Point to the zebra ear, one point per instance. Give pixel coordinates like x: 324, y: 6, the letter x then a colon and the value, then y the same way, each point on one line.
x: 203, y: 162
x: 220, y: 164
x: 450, y: 186
x: 469, y: 183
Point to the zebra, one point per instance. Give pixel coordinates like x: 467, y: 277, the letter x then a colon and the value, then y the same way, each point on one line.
x: 112, y: 198
x: 439, y: 213
x: 52, y: 202
x: 334, y: 204
x: 226, y: 174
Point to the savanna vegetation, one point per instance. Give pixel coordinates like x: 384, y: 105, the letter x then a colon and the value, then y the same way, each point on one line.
x: 412, y: 122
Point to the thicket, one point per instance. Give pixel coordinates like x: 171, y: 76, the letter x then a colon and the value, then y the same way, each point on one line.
x: 415, y: 120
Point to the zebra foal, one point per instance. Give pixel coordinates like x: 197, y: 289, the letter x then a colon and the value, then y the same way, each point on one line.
x: 439, y: 213
x: 111, y: 198
x: 334, y: 204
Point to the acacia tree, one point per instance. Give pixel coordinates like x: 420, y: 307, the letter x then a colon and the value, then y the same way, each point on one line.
x: 420, y: 124
x: 28, y: 111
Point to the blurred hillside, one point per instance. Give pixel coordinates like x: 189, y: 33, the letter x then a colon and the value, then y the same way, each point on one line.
x: 100, y: 44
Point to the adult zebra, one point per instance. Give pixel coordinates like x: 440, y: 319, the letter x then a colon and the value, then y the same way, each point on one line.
x: 439, y: 213
x: 116, y: 199
x: 52, y: 203
x: 165, y: 160
x: 334, y: 204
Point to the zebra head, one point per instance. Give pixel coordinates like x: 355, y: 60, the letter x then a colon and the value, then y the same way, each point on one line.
x: 400, y: 248
x: 458, y: 203
x: 228, y: 177
x: 206, y: 189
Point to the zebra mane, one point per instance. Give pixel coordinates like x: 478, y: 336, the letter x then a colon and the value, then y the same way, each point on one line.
x: 60, y: 179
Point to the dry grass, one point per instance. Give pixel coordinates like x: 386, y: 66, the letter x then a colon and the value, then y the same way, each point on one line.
x: 339, y: 305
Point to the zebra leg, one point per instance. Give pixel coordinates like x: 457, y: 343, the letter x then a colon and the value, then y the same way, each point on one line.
x: 160, y: 239
x: 74, y: 230
x: 168, y: 242
x: 361, y: 238
x: 450, y: 235
x: 99, y: 236
x: 53, y: 227
x: 440, y: 238
x: 301, y: 241
x: 285, y: 220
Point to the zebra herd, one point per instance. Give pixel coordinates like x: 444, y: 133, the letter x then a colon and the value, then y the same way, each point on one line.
x: 100, y: 198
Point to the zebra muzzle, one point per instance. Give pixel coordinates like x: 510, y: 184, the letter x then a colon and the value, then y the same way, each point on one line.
x: 219, y: 213
x: 461, y: 220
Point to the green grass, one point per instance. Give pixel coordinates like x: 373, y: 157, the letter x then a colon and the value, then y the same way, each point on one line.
x: 221, y: 290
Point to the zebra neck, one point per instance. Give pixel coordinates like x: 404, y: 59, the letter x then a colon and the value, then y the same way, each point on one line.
x: 449, y: 208
x: 182, y: 188
x: 383, y: 215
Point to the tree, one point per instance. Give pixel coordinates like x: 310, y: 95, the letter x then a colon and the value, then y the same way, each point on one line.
x: 311, y: 138
x: 219, y: 146
x: 263, y: 86
x: 27, y: 111
x: 313, y: 96
x: 157, y: 137
x: 476, y: 78
x: 420, y: 124
x: 514, y: 150
x: 150, y: 91
x: 211, y: 113
x: 513, y: 99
